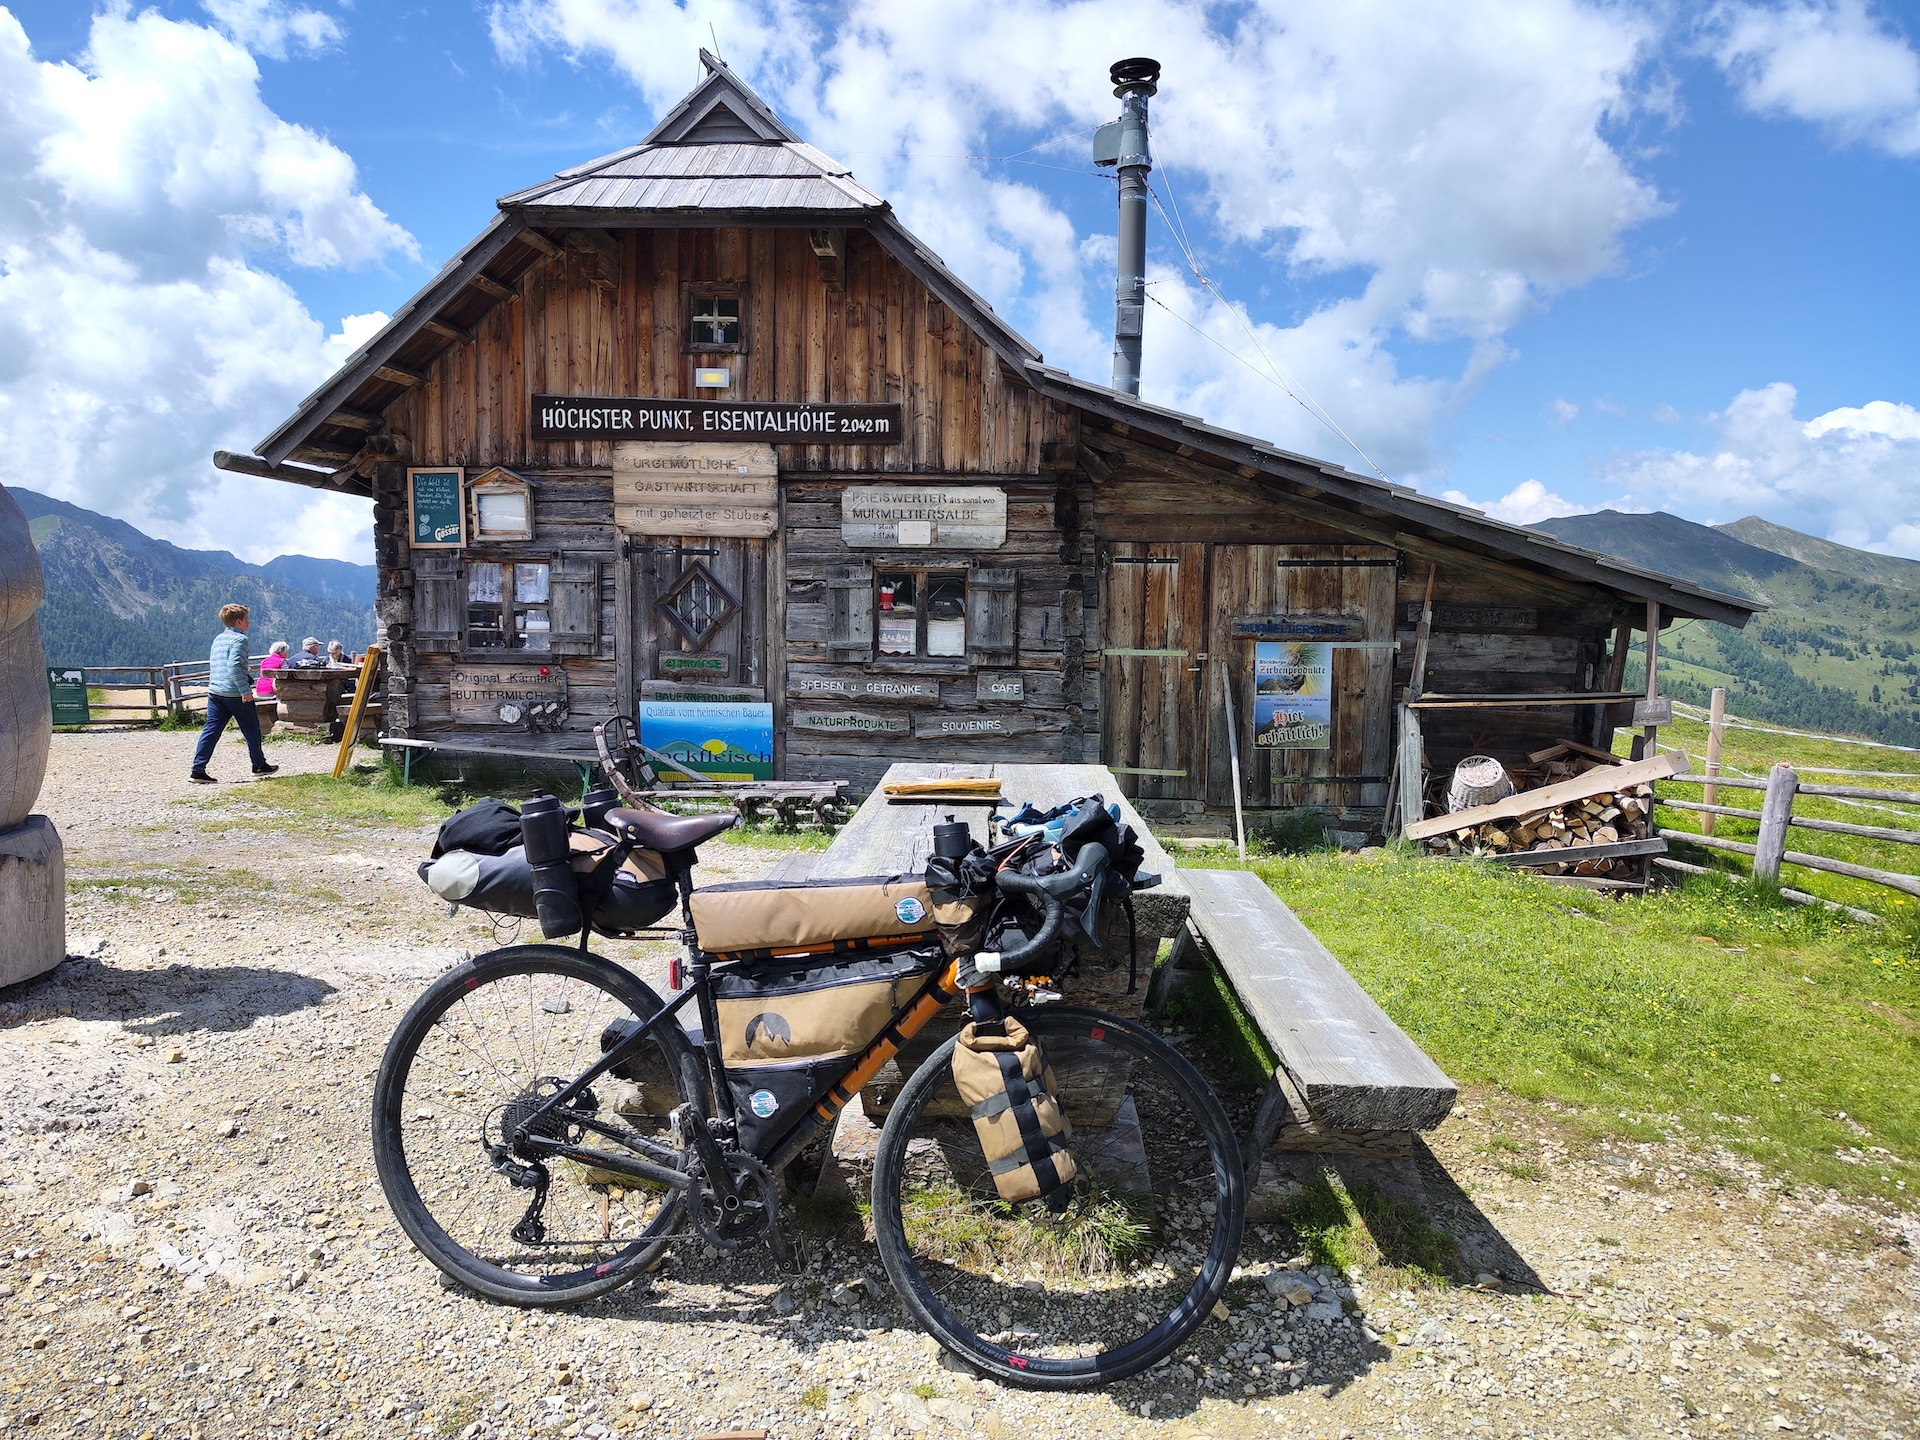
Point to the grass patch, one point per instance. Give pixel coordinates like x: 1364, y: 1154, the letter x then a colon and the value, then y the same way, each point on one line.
x: 1344, y: 1227
x: 1206, y: 1008
x: 814, y: 1397
x: 1679, y: 1008
x: 163, y: 885
x: 772, y: 837
x: 359, y: 798
x: 926, y: 1391
x: 1097, y: 1235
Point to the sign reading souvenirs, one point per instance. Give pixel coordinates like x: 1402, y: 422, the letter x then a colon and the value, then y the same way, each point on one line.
x: 515, y: 695
x: 970, y: 517
x: 970, y: 727
x: 593, y: 417
x: 865, y: 687
x: 1293, y: 696
x: 436, y: 510
x: 667, y: 488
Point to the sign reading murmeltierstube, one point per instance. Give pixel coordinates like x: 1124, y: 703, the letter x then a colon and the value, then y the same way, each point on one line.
x: 597, y: 417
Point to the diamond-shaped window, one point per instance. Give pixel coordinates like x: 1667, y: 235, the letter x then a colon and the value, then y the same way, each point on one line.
x: 697, y: 605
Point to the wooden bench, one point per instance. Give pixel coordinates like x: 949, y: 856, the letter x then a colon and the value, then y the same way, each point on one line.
x: 1347, y: 1073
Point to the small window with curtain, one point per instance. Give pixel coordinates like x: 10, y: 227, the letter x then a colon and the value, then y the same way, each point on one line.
x: 714, y: 318
x: 921, y: 614
x: 507, y: 605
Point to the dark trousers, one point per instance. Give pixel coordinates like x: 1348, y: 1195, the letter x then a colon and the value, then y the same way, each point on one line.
x: 220, y: 709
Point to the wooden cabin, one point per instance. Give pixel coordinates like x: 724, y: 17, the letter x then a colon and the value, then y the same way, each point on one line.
x: 701, y: 420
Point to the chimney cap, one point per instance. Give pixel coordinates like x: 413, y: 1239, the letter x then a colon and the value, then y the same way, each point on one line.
x: 1139, y: 73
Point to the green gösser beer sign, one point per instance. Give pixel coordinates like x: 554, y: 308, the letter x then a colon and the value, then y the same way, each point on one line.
x: 436, y: 509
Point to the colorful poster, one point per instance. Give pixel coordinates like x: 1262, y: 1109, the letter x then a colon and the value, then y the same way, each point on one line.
x: 1293, y: 695
x: 720, y: 742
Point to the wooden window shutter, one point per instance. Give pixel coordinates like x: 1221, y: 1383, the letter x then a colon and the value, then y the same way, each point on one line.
x: 439, y: 602
x: 993, y: 616
x: 850, y: 612
x: 573, y: 605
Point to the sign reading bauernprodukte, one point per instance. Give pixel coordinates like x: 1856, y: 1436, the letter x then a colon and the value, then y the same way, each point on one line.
x: 598, y: 417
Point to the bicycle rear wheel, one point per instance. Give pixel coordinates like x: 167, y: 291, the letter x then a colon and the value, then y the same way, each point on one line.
x: 1065, y: 1298
x: 488, y: 1041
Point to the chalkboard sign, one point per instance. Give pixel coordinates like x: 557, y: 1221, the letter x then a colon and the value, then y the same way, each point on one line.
x: 436, y: 509
x: 68, y: 688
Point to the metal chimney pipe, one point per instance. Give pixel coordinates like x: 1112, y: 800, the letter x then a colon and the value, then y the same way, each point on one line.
x: 1134, y: 81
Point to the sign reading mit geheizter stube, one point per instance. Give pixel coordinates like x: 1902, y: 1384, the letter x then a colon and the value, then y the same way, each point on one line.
x: 598, y: 417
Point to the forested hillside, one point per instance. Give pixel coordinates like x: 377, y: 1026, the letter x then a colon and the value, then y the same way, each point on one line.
x: 1838, y: 650
x: 116, y: 596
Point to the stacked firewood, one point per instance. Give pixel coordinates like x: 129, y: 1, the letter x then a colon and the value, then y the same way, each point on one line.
x: 1606, y: 817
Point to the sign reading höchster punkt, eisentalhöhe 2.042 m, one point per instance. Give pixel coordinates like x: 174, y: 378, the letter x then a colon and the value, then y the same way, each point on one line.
x: 595, y: 417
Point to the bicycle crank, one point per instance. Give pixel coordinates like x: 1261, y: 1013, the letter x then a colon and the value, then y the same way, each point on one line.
x: 752, y: 1211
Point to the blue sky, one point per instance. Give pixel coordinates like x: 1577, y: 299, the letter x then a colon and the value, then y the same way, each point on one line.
x: 1539, y: 255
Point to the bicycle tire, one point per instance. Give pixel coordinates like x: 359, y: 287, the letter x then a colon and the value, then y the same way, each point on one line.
x: 909, y: 1127
x: 672, y: 1057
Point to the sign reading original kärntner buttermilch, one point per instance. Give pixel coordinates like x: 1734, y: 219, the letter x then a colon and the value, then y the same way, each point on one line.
x: 594, y: 417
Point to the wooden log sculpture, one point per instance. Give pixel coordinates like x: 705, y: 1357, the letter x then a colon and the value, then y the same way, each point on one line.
x: 26, y: 714
x: 33, y: 873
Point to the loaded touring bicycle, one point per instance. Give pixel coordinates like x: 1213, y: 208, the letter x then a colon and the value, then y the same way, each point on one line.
x: 1057, y: 1194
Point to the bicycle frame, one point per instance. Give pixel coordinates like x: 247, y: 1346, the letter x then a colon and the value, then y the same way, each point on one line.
x: 906, y: 1022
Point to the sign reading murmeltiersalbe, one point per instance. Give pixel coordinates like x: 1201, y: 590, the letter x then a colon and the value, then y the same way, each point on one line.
x: 594, y: 417
x: 971, y: 517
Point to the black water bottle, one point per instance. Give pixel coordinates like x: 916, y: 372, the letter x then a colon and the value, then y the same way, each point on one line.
x: 953, y: 840
x: 556, y: 898
x: 594, y: 806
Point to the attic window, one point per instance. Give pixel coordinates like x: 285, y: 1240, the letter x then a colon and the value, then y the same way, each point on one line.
x: 713, y: 320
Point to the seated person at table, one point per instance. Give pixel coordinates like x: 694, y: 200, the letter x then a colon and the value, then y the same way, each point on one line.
x: 338, y: 654
x: 309, y: 657
x: 275, y: 657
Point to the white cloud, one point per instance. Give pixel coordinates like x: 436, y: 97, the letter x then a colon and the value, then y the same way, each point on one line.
x: 270, y: 27
x: 1562, y: 412
x: 1527, y: 503
x: 1829, y: 62
x: 1444, y: 160
x: 138, y: 186
x: 1850, y: 475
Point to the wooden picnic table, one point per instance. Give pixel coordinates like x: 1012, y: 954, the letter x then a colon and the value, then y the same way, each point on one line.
x: 890, y: 837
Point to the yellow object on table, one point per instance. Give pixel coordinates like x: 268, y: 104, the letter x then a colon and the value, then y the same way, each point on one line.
x: 957, y: 788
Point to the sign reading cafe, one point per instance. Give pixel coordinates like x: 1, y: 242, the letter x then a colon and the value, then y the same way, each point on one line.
x: 595, y: 417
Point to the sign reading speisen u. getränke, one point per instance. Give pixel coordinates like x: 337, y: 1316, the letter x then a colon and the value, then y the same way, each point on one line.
x: 597, y: 417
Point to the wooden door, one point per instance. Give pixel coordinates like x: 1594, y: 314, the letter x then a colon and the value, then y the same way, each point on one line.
x: 1153, y: 632
x: 1347, y: 594
x: 718, y: 589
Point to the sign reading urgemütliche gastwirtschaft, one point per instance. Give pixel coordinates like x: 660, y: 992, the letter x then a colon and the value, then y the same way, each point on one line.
x: 596, y: 417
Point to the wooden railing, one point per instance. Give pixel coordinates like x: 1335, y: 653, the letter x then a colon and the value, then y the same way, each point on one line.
x: 1776, y: 819
x: 147, y: 694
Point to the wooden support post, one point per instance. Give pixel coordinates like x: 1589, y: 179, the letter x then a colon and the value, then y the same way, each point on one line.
x: 1652, y: 732
x: 369, y: 669
x: 1419, y: 677
x: 1413, y: 790
x: 1233, y: 756
x: 1716, y: 722
x: 1775, y: 811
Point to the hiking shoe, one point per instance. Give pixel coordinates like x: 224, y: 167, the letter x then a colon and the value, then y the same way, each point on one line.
x: 200, y: 777
x: 266, y: 769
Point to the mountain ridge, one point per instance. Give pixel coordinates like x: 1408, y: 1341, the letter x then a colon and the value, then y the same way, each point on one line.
x: 118, y: 596
x: 1836, y: 648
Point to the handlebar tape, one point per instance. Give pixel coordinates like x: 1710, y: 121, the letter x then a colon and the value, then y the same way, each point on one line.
x: 1049, y: 890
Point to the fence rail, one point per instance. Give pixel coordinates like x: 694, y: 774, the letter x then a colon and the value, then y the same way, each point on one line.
x: 1775, y: 818
x: 145, y: 694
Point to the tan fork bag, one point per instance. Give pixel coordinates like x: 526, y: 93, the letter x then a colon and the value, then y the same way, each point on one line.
x: 1009, y: 1087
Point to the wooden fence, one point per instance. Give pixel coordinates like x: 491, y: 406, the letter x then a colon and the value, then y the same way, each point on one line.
x: 146, y: 694
x: 1776, y: 820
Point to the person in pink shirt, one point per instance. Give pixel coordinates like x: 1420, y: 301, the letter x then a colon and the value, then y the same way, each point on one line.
x: 270, y: 662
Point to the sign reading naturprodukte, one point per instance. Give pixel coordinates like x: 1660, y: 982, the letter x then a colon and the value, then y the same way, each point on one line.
x: 597, y: 417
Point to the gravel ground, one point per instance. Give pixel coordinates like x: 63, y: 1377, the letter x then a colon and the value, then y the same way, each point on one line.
x: 192, y: 1242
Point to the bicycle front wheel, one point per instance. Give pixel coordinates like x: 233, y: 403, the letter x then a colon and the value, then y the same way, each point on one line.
x: 483, y: 1048
x: 1065, y: 1296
